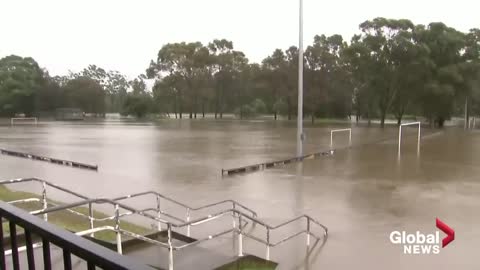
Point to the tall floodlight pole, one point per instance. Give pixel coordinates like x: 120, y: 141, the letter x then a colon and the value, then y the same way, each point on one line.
x: 300, y: 136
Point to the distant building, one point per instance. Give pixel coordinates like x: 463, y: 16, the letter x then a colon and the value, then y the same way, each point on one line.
x: 69, y: 114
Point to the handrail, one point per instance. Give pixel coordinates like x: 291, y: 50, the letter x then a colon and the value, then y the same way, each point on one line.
x: 92, y: 253
x: 188, y: 209
x: 21, y: 180
x: 234, y: 212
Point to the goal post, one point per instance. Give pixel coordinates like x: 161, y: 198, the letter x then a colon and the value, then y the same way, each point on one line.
x: 471, y: 123
x: 24, y: 120
x: 400, y: 136
x: 333, y: 131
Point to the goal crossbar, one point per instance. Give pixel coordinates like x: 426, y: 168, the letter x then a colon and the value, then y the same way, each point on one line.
x: 349, y: 130
x: 400, y: 136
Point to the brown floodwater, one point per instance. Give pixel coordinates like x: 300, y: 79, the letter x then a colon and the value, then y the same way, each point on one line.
x: 362, y: 194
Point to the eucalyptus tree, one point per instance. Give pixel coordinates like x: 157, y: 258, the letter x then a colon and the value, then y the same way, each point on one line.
x: 276, y: 78
x: 384, y: 41
x: 226, y: 65
x: 20, y: 80
x: 116, y: 86
x: 357, y: 58
x: 329, y: 89
x: 471, y: 72
x: 181, y: 61
x: 85, y: 93
x: 413, y: 62
x: 444, y: 78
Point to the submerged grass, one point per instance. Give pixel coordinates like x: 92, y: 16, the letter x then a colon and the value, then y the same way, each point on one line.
x: 249, y: 263
x: 66, y: 219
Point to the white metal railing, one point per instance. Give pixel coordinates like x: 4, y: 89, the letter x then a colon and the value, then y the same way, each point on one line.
x: 34, y: 119
x: 188, y: 209
x: 238, y: 227
x: 244, y: 217
x: 349, y: 130
x: 400, y: 136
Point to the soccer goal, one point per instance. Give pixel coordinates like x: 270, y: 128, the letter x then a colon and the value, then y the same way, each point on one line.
x: 349, y: 130
x: 471, y: 123
x: 24, y: 121
x: 400, y: 136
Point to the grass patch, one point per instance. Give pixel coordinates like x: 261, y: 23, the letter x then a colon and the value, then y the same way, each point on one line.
x: 68, y: 220
x: 249, y: 263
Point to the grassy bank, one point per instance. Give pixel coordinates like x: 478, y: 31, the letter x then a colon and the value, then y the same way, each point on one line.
x: 68, y: 220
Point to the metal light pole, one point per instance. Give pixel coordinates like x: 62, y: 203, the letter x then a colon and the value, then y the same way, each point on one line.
x: 300, y: 136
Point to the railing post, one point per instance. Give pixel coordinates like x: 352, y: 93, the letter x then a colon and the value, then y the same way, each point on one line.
x: 117, y: 229
x: 233, y: 218
x: 170, y: 248
x: 308, y: 232
x: 267, y: 257
x: 159, y: 214
x: 240, y: 236
x: 90, y: 217
x: 188, y: 220
x: 44, y: 200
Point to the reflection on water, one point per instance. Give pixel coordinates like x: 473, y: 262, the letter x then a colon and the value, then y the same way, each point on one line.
x: 361, y: 194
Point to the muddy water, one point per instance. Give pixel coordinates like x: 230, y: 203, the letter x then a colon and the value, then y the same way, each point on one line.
x: 362, y: 194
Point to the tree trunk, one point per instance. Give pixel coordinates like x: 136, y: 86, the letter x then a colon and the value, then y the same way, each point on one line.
x: 217, y: 102
x: 313, y: 118
x: 175, y: 106
x: 289, y: 109
x: 467, y: 118
x: 441, y: 122
x: 275, y: 115
x: 195, y: 105
x: 203, y: 109
x: 382, y: 120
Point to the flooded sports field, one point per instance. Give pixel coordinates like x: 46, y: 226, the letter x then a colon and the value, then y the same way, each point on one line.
x: 361, y: 194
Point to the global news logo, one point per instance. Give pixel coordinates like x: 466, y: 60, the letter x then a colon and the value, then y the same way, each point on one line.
x: 421, y: 243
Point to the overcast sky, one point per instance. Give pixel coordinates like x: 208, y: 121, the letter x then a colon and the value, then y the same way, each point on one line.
x: 124, y: 35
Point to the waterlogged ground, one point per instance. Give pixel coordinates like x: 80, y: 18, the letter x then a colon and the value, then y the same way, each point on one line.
x: 362, y: 194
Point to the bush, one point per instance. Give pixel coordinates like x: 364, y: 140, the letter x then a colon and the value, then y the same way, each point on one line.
x: 137, y: 105
x: 280, y: 107
x: 258, y: 106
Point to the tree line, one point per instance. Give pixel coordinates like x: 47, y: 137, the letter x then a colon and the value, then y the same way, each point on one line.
x: 391, y: 67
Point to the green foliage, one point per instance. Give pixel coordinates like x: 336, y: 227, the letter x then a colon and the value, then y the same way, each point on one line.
x: 85, y: 93
x: 20, y: 80
x: 256, y: 107
x: 137, y: 105
x: 391, y: 67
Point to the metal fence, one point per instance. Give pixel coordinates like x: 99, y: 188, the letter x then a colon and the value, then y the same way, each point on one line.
x: 241, y: 216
